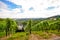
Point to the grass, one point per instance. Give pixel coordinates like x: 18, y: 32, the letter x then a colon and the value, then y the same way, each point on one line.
x: 55, y: 32
x: 2, y: 34
x: 19, y: 36
x: 46, y: 35
x: 42, y: 34
x: 25, y: 35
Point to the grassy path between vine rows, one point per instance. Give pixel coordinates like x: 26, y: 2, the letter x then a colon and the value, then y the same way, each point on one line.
x: 23, y: 36
x: 5, y: 37
x: 37, y: 37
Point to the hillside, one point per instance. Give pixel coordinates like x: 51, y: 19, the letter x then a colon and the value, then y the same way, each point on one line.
x: 39, y: 28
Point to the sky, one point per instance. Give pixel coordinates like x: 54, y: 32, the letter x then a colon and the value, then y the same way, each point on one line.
x: 29, y: 8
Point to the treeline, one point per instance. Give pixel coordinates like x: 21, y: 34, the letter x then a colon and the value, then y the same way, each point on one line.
x: 7, y: 25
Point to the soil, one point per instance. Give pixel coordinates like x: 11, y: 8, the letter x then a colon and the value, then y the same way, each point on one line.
x: 36, y: 37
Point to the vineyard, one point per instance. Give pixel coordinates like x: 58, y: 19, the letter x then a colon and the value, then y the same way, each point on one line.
x: 44, y: 28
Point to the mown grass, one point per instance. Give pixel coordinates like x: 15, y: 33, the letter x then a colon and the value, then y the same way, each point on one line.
x: 19, y: 36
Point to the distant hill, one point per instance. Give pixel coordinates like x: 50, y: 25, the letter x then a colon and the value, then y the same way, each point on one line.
x: 56, y: 16
x: 30, y: 18
x: 21, y: 19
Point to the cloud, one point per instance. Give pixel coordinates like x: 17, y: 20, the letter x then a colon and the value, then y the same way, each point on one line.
x: 21, y: 11
x: 26, y: 5
x: 0, y: 10
x: 3, y: 6
x: 6, y: 13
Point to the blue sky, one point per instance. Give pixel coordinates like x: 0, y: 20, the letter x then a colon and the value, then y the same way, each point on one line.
x: 50, y: 8
x: 11, y: 5
x: 29, y: 8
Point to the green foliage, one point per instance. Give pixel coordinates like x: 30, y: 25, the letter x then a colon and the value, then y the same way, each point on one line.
x: 2, y: 34
x: 8, y: 25
x: 2, y: 25
x: 19, y: 36
x: 43, y: 25
x: 28, y: 27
